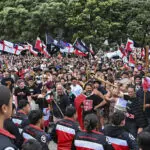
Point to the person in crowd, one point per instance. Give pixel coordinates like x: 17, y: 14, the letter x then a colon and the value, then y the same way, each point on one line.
x: 60, y: 102
x: 90, y: 138
x: 65, y: 129
x: 75, y: 72
x: 20, y: 119
x: 138, y: 82
x: 21, y: 92
x: 70, y: 94
x: 140, y: 95
x: 13, y: 129
x: 125, y: 78
x: 135, y: 117
x: 47, y: 107
x: 76, y: 89
x: 13, y: 75
x: 31, y: 145
x: 117, y: 135
x: 6, y: 138
x: 88, y: 103
x: 7, y: 81
x: 35, y: 129
x: 144, y: 140
x: 33, y: 88
x: 34, y: 91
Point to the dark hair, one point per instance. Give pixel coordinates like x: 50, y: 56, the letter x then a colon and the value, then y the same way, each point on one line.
x: 35, y: 116
x: 137, y: 76
x: 87, y: 84
x: 70, y: 111
x: 20, y: 81
x: 5, y: 95
x: 117, y: 117
x: 73, y: 78
x: 98, y: 82
x: 90, y: 122
x: 125, y: 72
x: 22, y: 103
x: 31, y: 145
x: 144, y: 140
x: 131, y: 86
x: 67, y: 86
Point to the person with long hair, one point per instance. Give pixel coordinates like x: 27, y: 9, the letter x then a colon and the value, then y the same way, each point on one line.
x: 89, y: 138
x: 6, y: 138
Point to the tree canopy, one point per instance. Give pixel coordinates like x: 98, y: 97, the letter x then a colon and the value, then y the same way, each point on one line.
x: 92, y: 20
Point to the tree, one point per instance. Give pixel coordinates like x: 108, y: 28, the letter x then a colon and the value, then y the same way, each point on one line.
x: 92, y: 20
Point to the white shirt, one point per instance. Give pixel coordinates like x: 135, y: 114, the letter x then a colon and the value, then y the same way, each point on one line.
x: 76, y: 90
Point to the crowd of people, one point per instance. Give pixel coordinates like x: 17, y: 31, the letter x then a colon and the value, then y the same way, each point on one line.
x: 79, y: 103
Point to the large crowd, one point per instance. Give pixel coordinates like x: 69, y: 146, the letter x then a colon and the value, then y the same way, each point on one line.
x: 79, y: 103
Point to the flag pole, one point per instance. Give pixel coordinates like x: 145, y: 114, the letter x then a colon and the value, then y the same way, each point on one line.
x: 75, y: 41
x: 46, y: 38
x: 146, y: 72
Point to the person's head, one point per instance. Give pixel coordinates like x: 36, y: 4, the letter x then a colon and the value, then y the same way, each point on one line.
x: 97, y: 84
x: 6, y: 74
x: 30, y: 81
x: 5, y: 102
x: 138, y: 80
x: 59, y: 89
x: 21, y: 83
x: 136, y: 72
x: 144, y: 140
x: 118, y: 118
x: 131, y: 91
x: 36, y: 118
x: 90, y: 122
x: 71, y: 112
x: 88, y: 89
x: 69, y: 77
x: 24, y: 105
x: 74, y: 81
x: 31, y: 145
x: 109, y: 70
x: 115, y: 92
x: 49, y: 85
x: 123, y: 87
x: 84, y: 78
x: 68, y: 88
x: 125, y: 75
x: 82, y: 70
x: 62, y: 81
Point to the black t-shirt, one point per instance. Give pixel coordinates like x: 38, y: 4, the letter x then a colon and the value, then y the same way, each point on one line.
x: 96, y: 100
x: 22, y: 93
x: 63, y: 102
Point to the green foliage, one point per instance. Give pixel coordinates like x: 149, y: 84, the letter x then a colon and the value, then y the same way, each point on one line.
x: 92, y: 20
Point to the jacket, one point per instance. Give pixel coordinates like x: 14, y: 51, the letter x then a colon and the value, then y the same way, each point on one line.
x: 119, y: 138
x: 91, y: 141
x: 64, y: 133
x: 135, y: 113
x: 6, y: 140
x: 33, y: 132
x: 20, y: 120
x: 13, y: 129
